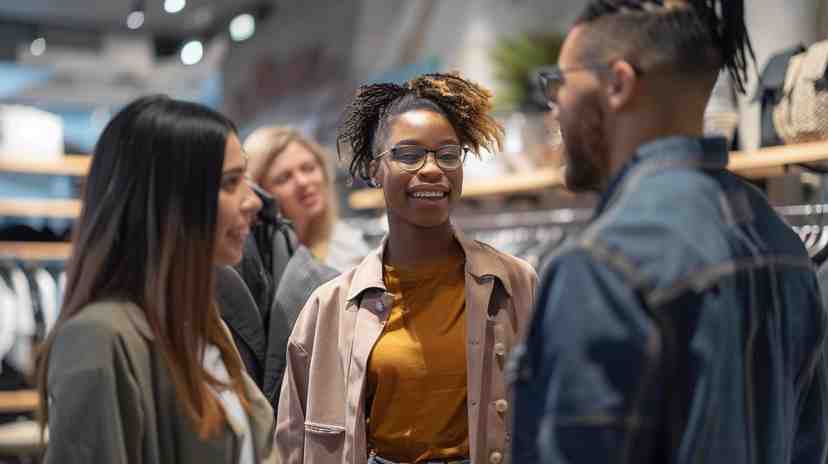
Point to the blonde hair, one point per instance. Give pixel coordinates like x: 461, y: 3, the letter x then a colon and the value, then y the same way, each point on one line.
x: 264, y: 145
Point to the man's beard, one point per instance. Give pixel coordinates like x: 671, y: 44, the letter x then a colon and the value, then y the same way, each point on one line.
x: 585, y: 148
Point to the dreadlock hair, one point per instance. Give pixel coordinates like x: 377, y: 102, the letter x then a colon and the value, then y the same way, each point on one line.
x: 693, y: 37
x: 366, y: 120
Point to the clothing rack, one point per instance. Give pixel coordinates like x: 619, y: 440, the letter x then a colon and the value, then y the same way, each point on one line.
x: 524, y: 219
x: 25, y: 401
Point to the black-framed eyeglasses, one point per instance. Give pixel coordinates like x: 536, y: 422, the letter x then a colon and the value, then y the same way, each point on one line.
x: 552, y: 78
x: 412, y: 158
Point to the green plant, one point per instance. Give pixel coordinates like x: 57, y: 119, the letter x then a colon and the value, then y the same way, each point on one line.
x: 515, y: 59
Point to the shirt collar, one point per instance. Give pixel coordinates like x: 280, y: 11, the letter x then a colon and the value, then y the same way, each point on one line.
x: 481, y: 261
x: 706, y: 152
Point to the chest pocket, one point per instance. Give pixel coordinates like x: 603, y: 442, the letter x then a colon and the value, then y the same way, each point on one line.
x: 324, y: 442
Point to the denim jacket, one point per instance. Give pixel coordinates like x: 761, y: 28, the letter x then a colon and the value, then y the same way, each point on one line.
x: 684, y: 325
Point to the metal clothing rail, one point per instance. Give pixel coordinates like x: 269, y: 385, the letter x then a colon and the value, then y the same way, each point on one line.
x: 511, y: 220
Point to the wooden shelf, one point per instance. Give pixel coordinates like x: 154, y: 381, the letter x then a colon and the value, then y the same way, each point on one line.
x: 36, y: 251
x: 25, y: 207
x: 513, y: 183
x: 18, y: 401
x: 770, y: 162
x: 761, y: 163
x: 68, y: 165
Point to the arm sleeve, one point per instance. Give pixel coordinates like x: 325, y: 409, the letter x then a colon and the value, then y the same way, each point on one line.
x: 290, y: 420
x: 811, y: 440
x: 94, y: 402
x: 588, y: 388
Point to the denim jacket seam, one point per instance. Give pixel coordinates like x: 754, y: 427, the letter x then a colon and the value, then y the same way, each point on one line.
x: 633, y: 420
x: 703, y: 279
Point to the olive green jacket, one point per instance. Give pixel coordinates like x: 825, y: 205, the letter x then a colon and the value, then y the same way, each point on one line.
x: 111, y: 398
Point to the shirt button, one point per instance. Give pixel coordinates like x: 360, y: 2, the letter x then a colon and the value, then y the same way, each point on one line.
x: 496, y: 457
x: 500, y: 349
x: 501, y: 406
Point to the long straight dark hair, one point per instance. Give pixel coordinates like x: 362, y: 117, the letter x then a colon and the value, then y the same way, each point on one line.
x: 146, y: 235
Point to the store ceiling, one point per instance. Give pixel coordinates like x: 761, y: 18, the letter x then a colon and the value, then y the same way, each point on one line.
x: 110, y: 15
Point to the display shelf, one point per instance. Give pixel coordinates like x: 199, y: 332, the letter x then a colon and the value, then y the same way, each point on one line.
x: 777, y: 157
x: 51, y: 208
x: 18, y: 401
x: 36, y: 251
x: 761, y: 163
x: 68, y: 165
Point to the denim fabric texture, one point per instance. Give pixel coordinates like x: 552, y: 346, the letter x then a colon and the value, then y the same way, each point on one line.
x: 684, y: 325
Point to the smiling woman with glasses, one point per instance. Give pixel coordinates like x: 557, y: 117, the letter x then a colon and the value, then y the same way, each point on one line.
x: 402, y: 359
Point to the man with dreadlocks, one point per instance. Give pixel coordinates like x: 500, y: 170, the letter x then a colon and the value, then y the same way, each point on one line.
x: 401, y: 359
x: 684, y: 323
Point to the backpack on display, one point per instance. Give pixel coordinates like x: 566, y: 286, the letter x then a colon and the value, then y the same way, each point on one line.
x: 802, y: 114
x: 770, y: 93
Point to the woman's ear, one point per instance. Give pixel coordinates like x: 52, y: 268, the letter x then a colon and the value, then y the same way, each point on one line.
x: 375, y: 169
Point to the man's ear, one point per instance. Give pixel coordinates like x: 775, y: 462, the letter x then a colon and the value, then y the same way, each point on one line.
x: 622, y: 84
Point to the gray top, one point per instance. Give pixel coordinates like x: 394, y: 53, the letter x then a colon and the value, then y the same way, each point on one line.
x: 347, y: 247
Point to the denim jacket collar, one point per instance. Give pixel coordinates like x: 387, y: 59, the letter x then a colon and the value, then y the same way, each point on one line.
x: 700, y: 152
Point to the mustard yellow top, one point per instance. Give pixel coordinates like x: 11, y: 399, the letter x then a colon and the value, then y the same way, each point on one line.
x: 417, y: 369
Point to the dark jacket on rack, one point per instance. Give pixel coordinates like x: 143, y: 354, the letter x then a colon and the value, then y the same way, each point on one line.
x: 111, y: 399
x: 261, y: 298
x: 683, y: 325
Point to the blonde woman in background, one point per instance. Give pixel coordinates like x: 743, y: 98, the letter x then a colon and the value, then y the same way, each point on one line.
x: 297, y: 171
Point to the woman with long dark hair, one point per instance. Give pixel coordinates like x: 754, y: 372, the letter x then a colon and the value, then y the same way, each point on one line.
x: 140, y: 368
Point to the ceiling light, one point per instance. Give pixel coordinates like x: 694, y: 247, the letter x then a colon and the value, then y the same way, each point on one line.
x: 242, y: 27
x: 192, y: 52
x: 174, y: 6
x: 135, y: 19
x: 38, y: 46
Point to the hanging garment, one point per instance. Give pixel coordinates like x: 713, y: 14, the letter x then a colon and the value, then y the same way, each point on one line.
x: 37, y: 305
x: 20, y: 356
x: 48, y: 290
x: 8, y: 319
x: 61, y: 281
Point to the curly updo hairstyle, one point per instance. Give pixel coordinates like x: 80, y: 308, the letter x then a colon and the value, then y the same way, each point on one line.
x: 366, y: 120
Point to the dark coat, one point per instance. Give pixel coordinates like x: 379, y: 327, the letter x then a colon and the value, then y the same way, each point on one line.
x: 261, y: 298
